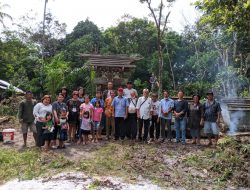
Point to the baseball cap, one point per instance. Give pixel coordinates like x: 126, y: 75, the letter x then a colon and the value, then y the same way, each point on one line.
x: 120, y: 89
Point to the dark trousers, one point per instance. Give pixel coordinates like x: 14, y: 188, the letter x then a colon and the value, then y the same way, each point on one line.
x: 131, y: 126
x: 165, y: 122
x: 143, y: 123
x: 120, y: 130
x: 154, y: 127
x: 39, y: 137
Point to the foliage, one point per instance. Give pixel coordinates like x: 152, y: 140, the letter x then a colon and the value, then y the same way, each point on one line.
x: 55, y: 74
x: 6, y: 110
x: 205, y: 56
x: 227, y: 161
x: 231, y: 14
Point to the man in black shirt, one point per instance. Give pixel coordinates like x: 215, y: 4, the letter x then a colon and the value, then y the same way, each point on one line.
x: 180, y: 113
x: 211, y: 117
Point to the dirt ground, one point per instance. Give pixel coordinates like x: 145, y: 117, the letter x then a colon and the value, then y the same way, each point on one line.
x: 169, y: 165
x: 76, y: 152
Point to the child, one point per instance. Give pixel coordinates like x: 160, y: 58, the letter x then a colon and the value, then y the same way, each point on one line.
x: 64, y: 126
x: 85, y: 127
x: 155, y: 127
x: 48, y: 131
x: 97, y: 117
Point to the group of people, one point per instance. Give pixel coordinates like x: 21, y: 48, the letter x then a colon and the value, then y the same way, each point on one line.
x: 79, y: 119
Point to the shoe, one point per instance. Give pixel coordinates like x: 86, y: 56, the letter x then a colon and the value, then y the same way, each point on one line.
x: 178, y: 141
x: 183, y: 143
x: 150, y: 141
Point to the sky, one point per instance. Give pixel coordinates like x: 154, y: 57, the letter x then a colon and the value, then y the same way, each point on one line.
x: 104, y: 13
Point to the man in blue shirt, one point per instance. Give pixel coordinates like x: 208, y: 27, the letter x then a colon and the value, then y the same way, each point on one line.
x: 165, y: 115
x: 120, y: 107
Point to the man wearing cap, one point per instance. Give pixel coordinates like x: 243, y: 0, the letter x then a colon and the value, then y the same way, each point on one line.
x: 120, y: 107
x: 25, y: 115
x: 127, y: 91
x: 211, y: 117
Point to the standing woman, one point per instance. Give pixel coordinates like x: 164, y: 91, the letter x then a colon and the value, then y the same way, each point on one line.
x: 64, y: 92
x: 196, y: 114
x: 40, y: 110
x: 57, y: 108
x: 81, y: 95
x: 74, y: 113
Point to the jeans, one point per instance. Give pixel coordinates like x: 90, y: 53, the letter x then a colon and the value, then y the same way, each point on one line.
x: 165, y: 122
x: 180, y: 127
x: 154, y: 127
x: 143, y: 123
x: 120, y: 130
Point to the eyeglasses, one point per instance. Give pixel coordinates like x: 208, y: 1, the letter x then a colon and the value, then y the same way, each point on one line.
x: 75, y: 94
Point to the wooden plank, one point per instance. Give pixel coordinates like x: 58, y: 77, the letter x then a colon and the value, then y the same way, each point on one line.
x: 110, y: 61
x: 112, y: 65
x: 109, y: 56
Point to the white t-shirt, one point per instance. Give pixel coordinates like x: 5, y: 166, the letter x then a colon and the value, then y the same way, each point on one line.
x: 40, y: 110
x: 144, y: 107
x: 132, y: 105
x: 155, y: 107
x: 127, y: 92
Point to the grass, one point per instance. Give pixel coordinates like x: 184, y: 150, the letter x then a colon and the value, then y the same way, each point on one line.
x: 226, y: 165
x: 29, y: 164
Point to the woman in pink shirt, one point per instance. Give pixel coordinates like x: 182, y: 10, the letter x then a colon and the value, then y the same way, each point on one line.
x: 86, y: 107
x: 97, y: 117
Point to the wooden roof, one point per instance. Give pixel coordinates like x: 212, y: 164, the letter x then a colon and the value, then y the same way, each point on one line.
x: 110, y: 60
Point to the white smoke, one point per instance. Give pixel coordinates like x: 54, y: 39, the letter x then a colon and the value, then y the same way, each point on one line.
x: 235, y: 119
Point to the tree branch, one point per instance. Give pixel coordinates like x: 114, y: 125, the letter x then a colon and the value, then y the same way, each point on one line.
x: 165, y: 23
x: 153, y: 13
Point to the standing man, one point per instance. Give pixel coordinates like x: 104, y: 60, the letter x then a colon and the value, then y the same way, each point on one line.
x: 131, y: 123
x: 107, y: 93
x: 129, y: 90
x: 211, y: 119
x: 26, y: 117
x: 180, y: 113
x: 109, y: 113
x: 120, y: 107
x: 165, y: 115
x: 143, y: 108
x: 155, y: 127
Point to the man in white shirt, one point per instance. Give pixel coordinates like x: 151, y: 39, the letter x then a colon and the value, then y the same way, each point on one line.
x: 143, y: 108
x: 132, y: 118
x: 155, y: 126
x: 127, y: 91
